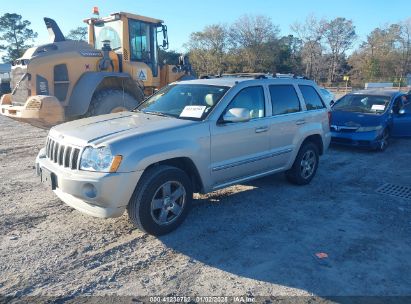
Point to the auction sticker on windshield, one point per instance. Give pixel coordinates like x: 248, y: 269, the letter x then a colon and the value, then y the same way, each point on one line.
x: 377, y: 107
x: 193, y: 111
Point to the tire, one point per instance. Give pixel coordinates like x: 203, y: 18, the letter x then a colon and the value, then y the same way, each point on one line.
x: 154, y: 211
x: 385, y: 141
x: 305, y: 165
x: 111, y: 101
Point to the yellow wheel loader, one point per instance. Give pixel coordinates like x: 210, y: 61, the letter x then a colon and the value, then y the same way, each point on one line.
x: 66, y: 80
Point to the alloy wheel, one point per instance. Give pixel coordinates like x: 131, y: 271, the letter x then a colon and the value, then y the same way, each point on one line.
x: 168, y: 202
x: 308, y: 163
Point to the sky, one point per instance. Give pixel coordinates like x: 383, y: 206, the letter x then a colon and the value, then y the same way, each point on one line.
x: 184, y: 16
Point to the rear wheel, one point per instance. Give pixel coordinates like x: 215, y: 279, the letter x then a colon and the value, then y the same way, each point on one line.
x: 161, y: 200
x: 305, y: 165
x: 112, y: 101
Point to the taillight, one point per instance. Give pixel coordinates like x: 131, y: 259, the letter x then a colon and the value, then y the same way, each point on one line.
x: 329, y: 118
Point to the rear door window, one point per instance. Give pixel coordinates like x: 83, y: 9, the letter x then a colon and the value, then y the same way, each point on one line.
x: 284, y: 99
x: 312, y: 100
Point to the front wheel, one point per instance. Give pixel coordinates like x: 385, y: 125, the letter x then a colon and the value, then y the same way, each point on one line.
x: 305, y: 165
x: 385, y: 140
x: 161, y: 200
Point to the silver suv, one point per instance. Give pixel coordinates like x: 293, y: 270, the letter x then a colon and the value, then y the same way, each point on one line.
x: 191, y: 136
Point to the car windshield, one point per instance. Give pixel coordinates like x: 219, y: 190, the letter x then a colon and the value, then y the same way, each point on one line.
x: 185, y: 101
x: 362, y: 103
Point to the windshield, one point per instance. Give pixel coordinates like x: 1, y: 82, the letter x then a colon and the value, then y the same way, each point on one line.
x: 185, y: 101
x: 111, y: 31
x: 361, y: 103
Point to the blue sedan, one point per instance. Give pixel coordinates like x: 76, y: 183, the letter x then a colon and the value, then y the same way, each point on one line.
x: 369, y: 118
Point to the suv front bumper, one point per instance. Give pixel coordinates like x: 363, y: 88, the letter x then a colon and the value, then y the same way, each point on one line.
x: 97, y: 194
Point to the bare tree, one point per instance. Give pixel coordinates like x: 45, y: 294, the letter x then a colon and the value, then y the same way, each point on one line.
x: 254, y: 37
x: 405, y: 46
x: 339, y: 35
x: 311, y: 34
x: 208, y: 49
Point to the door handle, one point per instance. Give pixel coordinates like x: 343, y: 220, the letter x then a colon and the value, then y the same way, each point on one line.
x: 300, y: 122
x: 261, y: 130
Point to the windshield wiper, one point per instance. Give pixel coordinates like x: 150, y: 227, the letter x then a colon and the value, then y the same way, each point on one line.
x: 154, y: 113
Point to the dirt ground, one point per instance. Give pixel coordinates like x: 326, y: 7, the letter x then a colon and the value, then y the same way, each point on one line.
x: 257, y: 239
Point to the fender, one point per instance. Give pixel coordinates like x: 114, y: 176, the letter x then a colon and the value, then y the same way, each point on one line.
x: 86, y: 86
x: 303, y: 133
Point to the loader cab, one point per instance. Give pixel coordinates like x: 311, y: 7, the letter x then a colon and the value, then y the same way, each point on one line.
x: 143, y: 43
x: 135, y: 39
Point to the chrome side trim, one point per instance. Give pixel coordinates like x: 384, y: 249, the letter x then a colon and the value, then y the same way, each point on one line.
x: 251, y: 160
x: 247, y: 178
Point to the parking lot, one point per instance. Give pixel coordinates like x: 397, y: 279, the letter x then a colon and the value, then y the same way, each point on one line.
x: 259, y: 238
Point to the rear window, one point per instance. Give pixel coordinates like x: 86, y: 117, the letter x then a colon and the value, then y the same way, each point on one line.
x: 284, y: 99
x: 312, y: 99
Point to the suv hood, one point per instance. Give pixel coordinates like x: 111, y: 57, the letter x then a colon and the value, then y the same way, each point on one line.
x: 104, y: 128
x: 353, y: 119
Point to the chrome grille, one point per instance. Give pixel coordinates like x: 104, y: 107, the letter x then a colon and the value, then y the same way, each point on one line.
x: 343, y: 129
x: 63, y: 155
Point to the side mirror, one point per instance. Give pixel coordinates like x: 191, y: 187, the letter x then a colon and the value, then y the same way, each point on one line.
x: 165, y: 36
x: 401, y: 112
x: 237, y: 115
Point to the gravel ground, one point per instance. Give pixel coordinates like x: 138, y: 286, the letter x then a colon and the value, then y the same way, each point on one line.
x: 257, y: 239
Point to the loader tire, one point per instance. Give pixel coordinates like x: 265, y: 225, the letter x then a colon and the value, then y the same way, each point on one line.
x: 112, y: 101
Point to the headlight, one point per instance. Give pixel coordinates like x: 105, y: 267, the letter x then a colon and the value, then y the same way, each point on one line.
x: 99, y: 159
x: 369, y: 129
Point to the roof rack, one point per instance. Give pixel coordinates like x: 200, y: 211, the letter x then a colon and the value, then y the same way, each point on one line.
x: 280, y: 75
x: 253, y: 75
x: 248, y: 75
x: 239, y: 75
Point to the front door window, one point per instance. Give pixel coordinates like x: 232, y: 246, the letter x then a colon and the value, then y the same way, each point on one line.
x: 402, y: 122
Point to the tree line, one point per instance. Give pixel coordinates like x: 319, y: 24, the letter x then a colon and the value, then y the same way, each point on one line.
x: 321, y: 49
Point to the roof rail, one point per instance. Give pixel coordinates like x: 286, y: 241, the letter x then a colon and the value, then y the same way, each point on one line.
x: 281, y: 75
x: 248, y: 75
x: 253, y: 75
x: 290, y: 75
x: 238, y: 75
